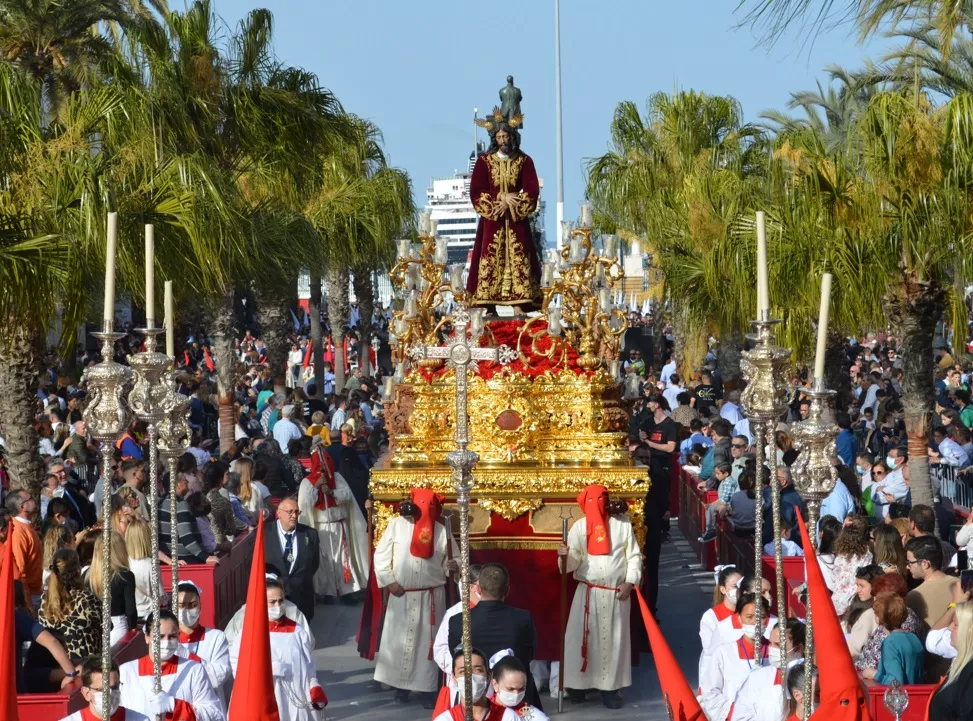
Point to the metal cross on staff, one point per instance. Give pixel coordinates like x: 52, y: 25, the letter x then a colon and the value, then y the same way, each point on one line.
x: 460, y: 354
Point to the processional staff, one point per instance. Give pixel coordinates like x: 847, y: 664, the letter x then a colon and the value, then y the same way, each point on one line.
x: 460, y: 355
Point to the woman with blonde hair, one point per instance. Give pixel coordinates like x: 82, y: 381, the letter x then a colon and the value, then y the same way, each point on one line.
x: 124, y: 612
x: 887, y: 549
x: 252, y: 493
x: 953, y: 700
x: 56, y: 537
x: 68, y: 610
x: 138, y: 546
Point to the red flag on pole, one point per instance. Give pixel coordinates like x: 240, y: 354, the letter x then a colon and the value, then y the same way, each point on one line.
x: 208, y: 360
x: 8, y: 656
x: 253, y: 690
x: 307, y: 355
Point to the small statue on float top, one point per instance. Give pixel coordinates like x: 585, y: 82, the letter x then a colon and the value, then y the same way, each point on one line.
x: 505, y: 265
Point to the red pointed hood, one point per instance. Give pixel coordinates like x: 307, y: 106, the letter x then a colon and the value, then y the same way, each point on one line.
x: 842, y: 695
x: 678, y: 694
x: 253, y: 690
x: 8, y: 657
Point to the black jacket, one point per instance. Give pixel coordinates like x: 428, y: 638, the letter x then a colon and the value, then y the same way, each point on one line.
x: 299, y: 581
x: 495, y: 626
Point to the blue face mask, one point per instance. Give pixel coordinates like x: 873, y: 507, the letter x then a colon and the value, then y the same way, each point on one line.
x: 859, y: 470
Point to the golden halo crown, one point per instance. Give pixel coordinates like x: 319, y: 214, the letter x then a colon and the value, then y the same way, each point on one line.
x: 493, y: 121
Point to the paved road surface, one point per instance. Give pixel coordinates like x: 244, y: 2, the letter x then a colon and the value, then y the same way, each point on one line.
x: 354, y: 695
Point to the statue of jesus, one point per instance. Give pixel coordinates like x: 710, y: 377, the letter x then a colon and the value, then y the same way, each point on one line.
x: 505, y: 264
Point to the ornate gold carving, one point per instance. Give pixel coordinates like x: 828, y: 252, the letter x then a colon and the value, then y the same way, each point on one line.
x: 636, y: 512
x: 505, y: 544
x: 383, y: 513
x: 548, y: 518
x: 510, y: 508
x: 504, y: 271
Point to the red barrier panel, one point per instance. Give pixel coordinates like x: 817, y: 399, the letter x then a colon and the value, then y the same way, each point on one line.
x: 918, y: 701
x: 224, y: 586
x: 692, y: 517
x: 731, y: 548
x: 57, y: 705
x: 793, y: 570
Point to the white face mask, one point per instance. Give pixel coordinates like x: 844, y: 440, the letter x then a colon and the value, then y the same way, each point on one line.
x: 189, y: 617
x: 750, y: 630
x: 275, y: 612
x: 114, y: 701
x: 890, y: 462
x: 732, y: 594
x: 168, y: 648
x: 479, y: 687
x: 773, y: 656
x: 509, y: 698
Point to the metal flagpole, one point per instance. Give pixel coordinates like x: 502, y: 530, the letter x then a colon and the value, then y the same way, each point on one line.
x: 557, y: 124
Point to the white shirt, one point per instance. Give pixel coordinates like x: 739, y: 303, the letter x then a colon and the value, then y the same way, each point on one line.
x: 667, y: 370
x: 940, y: 643
x: 286, y: 430
x: 952, y: 454
x: 742, y: 428
x: 870, y: 400
x: 731, y: 412
x: 671, y: 394
x: 283, y: 543
x: 788, y: 548
x: 338, y: 419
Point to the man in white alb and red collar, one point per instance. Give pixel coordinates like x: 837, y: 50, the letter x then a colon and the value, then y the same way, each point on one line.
x: 96, y: 693
x: 327, y: 504
x: 605, y: 558
x: 756, y: 699
x: 412, y: 563
x: 209, y: 645
x: 187, y: 694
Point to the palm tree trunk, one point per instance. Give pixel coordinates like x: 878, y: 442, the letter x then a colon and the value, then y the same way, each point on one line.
x: 224, y: 333
x: 336, y: 276
x: 317, y: 350
x: 914, y: 307
x: 365, y: 292
x: 273, y: 306
x: 18, y: 404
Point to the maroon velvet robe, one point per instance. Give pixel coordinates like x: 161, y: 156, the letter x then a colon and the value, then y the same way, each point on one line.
x: 505, y: 267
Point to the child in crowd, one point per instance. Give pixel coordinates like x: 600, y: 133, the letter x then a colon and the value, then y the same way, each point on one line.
x: 788, y: 547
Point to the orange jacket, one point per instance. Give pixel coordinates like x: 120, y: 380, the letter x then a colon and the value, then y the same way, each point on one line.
x: 28, y: 557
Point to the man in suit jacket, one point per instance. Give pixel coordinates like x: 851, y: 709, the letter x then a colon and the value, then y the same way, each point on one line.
x: 293, y: 548
x: 495, y: 626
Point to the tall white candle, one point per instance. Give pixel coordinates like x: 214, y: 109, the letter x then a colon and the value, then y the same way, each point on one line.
x: 110, y: 266
x: 149, y: 276
x: 763, y: 292
x: 169, y: 320
x: 823, y: 314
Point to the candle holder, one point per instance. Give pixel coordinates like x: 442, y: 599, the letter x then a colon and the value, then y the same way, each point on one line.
x: 814, y: 473
x: 107, y: 417
x: 174, y: 438
x: 896, y: 699
x: 426, y: 271
x: 763, y: 401
x: 148, y: 403
x: 584, y: 318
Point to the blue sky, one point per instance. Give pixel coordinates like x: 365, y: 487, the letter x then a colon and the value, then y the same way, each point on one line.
x: 417, y: 68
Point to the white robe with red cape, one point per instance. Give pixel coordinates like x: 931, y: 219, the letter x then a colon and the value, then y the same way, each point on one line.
x: 404, y: 659
x: 762, y: 697
x: 295, y: 673
x: 609, y: 639
x: 725, y: 673
x: 183, y: 679
x: 210, y: 646
x: 343, y: 538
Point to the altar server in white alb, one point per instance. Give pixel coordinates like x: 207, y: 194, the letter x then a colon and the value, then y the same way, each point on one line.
x: 96, y: 693
x: 187, y: 694
x: 762, y: 697
x: 412, y: 564
x: 206, y: 644
x: 299, y: 695
x: 604, y: 556
x: 326, y: 504
x: 732, y: 663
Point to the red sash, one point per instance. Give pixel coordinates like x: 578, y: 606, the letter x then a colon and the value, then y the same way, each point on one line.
x: 587, y: 607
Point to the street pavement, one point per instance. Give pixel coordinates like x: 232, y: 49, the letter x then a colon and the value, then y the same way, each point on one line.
x: 684, y: 596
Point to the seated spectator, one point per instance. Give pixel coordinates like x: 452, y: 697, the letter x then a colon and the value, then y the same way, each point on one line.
x: 743, y: 505
x: 902, y: 652
x: 851, y: 553
x: 727, y: 487
x: 68, y: 610
x: 788, y: 547
x: 871, y: 653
